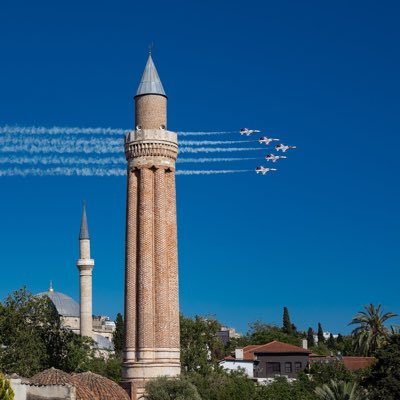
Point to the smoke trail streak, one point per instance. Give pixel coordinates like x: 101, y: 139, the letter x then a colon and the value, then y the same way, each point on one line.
x: 55, y: 160
x: 35, y: 160
x: 59, y: 130
x: 62, y: 172
x: 216, y: 149
x: 100, y: 172
x: 211, y: 160
x: 61, y: 145
x: 203, y: 133
x: 67, y: 130
x: 12, y: 140
x: 212, y: 172
x: 211, y: 142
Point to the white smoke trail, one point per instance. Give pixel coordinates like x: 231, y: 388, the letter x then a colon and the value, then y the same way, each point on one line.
x: 55, y: 160
x: 16, y: 140
x: 68, y: 130
x: 204, y: 133
x: 49, y: 160
x: 59, y: 130
x: 212, y: 172
x: 62, y: 172
x: 211, y: 160
x: 60, y: 145
x: 211, y: 142
x: 216, y: 149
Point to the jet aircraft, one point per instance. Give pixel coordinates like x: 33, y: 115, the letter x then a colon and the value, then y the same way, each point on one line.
x: 248, y: 132
x: 264, y: 170
x: 274, y: 158
x: 283, y: 147
x: 267, y: 140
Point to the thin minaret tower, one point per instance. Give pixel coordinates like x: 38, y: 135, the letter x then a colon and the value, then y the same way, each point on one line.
x: 151, y: 261
x: 85, y: 265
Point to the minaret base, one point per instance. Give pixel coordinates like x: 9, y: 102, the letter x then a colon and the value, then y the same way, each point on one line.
x: 136, y: 374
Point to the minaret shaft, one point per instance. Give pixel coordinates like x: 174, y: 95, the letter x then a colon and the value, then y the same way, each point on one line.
x: 151, y: 262
x: 85, y: 265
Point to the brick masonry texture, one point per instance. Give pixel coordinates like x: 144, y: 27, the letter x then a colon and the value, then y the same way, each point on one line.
x: 151, y: 111
x: 151, y: 258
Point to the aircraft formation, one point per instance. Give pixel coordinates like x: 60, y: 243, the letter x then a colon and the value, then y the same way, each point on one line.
x: 271, y: 157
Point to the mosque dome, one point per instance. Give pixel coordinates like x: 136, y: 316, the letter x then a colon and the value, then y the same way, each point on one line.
x: 102, y: 387
x: 53, y: 376
x: 65, y: 305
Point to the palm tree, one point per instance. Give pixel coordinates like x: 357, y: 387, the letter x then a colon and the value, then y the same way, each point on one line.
x: 339, y: 391
x: 371, y: 334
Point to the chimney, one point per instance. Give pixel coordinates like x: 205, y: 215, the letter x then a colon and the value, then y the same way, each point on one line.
x: 304, y: 344
x: 239, y: 354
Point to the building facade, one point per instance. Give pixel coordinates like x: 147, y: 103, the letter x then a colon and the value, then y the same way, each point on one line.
x: 151, y: 262
x: 268, y: 361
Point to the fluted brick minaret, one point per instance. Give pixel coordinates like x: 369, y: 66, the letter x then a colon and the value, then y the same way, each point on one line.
x: 151, y: 266
x: 85, y: 265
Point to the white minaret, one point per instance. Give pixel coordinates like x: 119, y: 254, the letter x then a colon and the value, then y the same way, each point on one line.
x: 85, y: 265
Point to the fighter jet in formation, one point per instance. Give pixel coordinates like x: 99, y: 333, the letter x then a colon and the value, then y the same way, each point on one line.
x: 283, y: 147
x: 248, y: 132
x: 263, y: 170
x: 274, y: 158
x: 267, y: 140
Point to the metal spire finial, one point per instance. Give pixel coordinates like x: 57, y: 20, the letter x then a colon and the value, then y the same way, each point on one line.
x: 150, y: 82
x: 84, y: 232
x: 51, y: 286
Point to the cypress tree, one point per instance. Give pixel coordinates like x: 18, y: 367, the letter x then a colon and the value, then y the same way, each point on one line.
x: 331, y: 343
x: 320, y: 334
x: 118, y: 336
x: 287, y: 325
x: 310, y: 337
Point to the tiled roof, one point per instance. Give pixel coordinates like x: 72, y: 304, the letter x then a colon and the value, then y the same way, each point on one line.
x: 351, y: 363
x: 103, y: 388
x: 355, y: 363
x: 272, y: 347
x: 55, y: 376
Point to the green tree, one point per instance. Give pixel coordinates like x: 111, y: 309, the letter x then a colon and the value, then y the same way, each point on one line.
x: 331, y: 343
x: 382, y: 380
x: 29, y: 329
x: 287, y: 325
x: 32, y: 339
x: 201, y: 349
x: 282, y: 389
x: 320, y: 334
x: 118, y: 335
x: 222, y: 385
x: 339, y: 391
x: 371, y: 333
x: 164, y: 388
x: 261, y: 333
x: 310, y: 338
x: 6, y: 392
x: 322, y: 373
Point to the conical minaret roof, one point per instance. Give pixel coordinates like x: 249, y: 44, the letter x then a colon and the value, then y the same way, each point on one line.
x: 150, y: 82
x: 84, y: 232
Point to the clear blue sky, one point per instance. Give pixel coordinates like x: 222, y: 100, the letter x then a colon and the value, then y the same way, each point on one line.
x: 320, y: 236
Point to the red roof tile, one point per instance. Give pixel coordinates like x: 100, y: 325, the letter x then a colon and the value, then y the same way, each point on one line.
x: 272, y: 347
x: 351, y: 363
x: 355, y: 363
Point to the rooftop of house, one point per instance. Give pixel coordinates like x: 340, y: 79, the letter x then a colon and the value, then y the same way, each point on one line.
x: 274, y: 347
x: 350, y: 362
